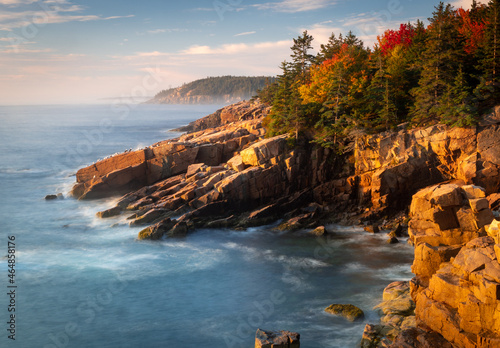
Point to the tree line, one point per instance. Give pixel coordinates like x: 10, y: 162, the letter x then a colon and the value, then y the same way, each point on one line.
x: 446, y: 72
x: 236, y: 86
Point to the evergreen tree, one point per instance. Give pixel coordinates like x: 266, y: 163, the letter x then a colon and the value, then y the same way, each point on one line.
x: 301, y: 57
x: 379, y: 96
x: 458, y: 105
x: 330, y: 49
x: 491, y: 59
x: 441, y: 58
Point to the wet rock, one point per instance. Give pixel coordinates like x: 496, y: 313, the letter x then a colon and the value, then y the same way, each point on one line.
x: 149, y: 217
x: 392, y: 240
x: 294, y: 223
x: 157, y: 231
x: 109, y: 212
x: 276, y: 339
x: 318, y: 231
x: 398, y: 231
x: 50, y: 197
x: 372, y: 228
x: 348, y: 311
x: 179, y: 230
x: 375, y: 336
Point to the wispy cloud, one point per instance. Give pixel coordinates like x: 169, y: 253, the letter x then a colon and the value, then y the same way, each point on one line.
x: 293, y: 6
x: 168, y: 30
x: 232, y: 49
x: 203, y: 9
x: 466, y: 4
x: 367, y: 26
x: 321, y: 32
x: 16, y: 50
x: 55, y: 11
x: 13, y: 3
x: 245, y: 33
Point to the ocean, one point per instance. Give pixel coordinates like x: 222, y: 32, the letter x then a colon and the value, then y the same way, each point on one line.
x: 80, y: 281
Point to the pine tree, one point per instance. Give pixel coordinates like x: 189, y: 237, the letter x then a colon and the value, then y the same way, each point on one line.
x: 491, y: 60
x: 458, y: 104
x: 441, y: 58
x: 379, y: 97
x: 330, y: 49
x: 301, y: 57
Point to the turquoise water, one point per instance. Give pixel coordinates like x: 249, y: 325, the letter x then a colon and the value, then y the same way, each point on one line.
x: 85, y: 282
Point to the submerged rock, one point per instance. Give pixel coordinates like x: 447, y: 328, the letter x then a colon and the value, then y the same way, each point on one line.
x: 348, y: 311
x: 276, y: 339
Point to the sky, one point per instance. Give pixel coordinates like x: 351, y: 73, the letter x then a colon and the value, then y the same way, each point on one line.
x: 90, y: 51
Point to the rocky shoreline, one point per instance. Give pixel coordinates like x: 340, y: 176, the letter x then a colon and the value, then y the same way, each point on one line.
x: 225, y: 173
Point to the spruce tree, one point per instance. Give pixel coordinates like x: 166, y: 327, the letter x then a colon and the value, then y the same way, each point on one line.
x: 301, y: 57
x: 458, y: 104
x: 491, y: 53
x: 441, y: 59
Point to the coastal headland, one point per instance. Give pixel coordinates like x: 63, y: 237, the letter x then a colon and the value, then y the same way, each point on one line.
x: 441, y: 183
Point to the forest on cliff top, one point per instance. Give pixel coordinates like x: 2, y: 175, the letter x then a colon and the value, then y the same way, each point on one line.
x: 446, y: 72
x: 235, y: 86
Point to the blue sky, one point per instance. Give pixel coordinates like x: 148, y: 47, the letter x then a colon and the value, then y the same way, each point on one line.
x: 83, y: 51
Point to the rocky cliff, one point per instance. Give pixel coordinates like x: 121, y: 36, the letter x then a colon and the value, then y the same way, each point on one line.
x: 226, y: 173
x: 456, y: 287
x: 246, y: 170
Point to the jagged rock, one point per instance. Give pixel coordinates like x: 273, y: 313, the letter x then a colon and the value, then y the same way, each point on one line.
x: 348, y: 311
x: 375, y: 336
x: 149, y: 217
x: 318, y: 231
x: 194, y: 168
x: 157, y: 231
x: 372, y: 228
x: 179, y: 230
x: 276, y: 339
x: 392, y: 240
x: 263, y: 151
x: 236, y: 163
x: 419, y: 338
x: 109, y: 212
x: 456, y: 286
x: 114, y: 163
x: 295, y: 223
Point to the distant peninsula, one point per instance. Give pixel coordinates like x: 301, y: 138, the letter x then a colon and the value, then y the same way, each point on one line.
x: 213, y: 90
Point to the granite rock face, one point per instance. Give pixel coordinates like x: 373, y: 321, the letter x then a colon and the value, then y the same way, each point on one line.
x: 457, y: 271
x: 225, y: 164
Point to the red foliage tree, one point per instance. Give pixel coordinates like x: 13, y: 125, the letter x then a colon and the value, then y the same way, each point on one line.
x: 471, y: 30
x: 393, y: 38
